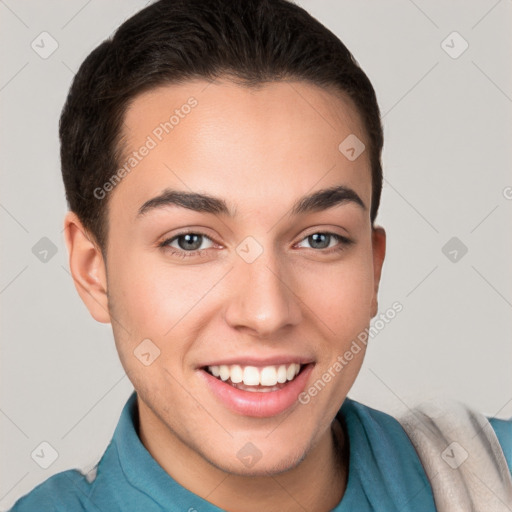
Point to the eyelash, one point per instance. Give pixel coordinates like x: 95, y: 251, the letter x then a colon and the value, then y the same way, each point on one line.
x: 345, y: 242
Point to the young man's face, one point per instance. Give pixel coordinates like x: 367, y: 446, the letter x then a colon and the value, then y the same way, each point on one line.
x: 272, y: 286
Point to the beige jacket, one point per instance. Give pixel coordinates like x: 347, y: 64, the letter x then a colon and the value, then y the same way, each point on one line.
x: 461, y: 455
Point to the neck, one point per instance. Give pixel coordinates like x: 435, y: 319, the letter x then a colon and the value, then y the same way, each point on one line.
x: 317, y: 483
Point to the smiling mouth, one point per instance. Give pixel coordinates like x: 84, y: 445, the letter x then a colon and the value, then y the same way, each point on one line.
x: 256, y: 379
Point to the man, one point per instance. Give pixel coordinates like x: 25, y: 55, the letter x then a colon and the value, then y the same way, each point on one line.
x: 222, y: 167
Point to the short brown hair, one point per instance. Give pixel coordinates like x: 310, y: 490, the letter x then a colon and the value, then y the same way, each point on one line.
x: 172, y: 41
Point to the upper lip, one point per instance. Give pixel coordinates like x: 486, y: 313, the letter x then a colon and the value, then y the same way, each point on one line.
x: 259, y: 361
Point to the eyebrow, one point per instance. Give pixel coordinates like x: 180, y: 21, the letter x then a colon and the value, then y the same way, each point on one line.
x: 204, y: 203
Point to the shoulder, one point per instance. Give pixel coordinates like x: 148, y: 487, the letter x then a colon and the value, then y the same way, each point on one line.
x: 377, y: 420
x: 392, y: 428
x: 445, y: 421
x: 99, y: 487
x: 67, y: 491
x: 383, y: 464
x: 380, y: 432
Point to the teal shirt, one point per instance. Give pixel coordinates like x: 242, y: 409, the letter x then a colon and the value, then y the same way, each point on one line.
x: 385, y: 473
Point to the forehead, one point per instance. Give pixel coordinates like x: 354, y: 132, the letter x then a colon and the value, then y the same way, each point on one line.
x: 248, y: 145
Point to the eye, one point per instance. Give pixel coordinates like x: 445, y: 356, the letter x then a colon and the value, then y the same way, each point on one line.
x: 322, y: 240
x: 186, y: 244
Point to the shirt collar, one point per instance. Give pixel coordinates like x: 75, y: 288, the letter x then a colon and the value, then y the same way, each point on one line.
x: 384, y: 470
x: 144, y: 472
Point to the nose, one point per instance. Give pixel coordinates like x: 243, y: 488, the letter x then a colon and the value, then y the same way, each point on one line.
x: 263, y: 300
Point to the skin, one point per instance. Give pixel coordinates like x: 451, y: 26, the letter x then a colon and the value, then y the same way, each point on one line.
x: 259, y: 150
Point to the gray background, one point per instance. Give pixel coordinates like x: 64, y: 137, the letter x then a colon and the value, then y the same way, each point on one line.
x: 447, y: 163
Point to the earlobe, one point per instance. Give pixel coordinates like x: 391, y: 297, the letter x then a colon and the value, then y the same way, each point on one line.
x: 379, y: 253
x: 87, y: 268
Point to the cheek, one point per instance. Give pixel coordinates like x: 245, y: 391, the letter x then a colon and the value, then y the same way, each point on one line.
x: 158, y: 300
x: 148, y: 293
x: 341, y: 293
x: 137, y: 306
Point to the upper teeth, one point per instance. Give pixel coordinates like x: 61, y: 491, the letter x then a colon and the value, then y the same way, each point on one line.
x: 253, y: 376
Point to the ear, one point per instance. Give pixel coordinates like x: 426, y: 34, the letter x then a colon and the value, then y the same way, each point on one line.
x: 87, y: 268
x: 379, y: 252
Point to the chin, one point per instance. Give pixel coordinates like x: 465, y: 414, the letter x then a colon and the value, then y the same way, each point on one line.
x: 263, y: 464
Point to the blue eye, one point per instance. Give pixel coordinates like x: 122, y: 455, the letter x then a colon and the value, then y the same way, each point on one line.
x: 188, y: 244
x: 318, y: 240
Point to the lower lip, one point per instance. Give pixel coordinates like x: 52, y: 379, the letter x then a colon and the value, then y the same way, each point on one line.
x: 258, y: 404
